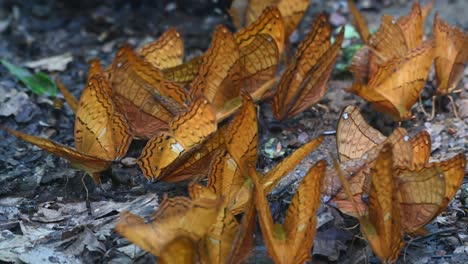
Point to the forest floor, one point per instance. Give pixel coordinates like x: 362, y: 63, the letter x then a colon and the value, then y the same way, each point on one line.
x: 49, y: 211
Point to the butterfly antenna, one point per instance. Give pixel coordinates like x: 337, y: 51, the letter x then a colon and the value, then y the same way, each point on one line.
x: 346, y: 187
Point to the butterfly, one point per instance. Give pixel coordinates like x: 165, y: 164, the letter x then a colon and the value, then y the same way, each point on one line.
x: 292, y: 241
x: 148, y: 100
x: 412, y: 170
x: 102, y: 134
x: 382, y: 225
x: 227, y: 241
x: 260, y: 46
x: 358, y: 145
x: 393, y: 86
x: 245, y: 12
x: 176, y: 228
x: 195, y: 229
x: 166, y: 51
x: 451, y: 56
x: 186, y: 132
x: 304, y: 81
x: 391, y: 69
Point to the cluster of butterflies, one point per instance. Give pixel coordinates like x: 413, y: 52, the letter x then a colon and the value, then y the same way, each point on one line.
x: 200, y: 120
x: 391, y: 69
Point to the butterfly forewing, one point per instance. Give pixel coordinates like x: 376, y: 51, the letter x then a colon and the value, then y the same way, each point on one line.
x: 271, y: 179
x: 260, y: 59
x: 309, y: 52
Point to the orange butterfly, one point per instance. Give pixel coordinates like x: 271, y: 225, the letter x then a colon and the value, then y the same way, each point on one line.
x: 192, y: 230
x: 148, y: 100
x: 186, y: 132
x: 176, y: 229
x: 244, y: 12
x: 260, y: 46
x: 382, y: 226
x: 227, y: 241
x: 391, y: 69
x: 166, y: 51
x: 358, y: 145
x: 102, y: 134
x: 412, y: 170
x: 394, y: 85
x: 304, y: 81
x: 292, y: 241
x: 451, y: 56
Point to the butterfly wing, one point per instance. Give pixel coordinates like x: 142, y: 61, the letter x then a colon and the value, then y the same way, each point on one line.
x: 451, y: 54
x: 269, y: 22
x: 421, y: 195
x: 100, y: 129
x: 260, y: 59
x: 412, y: 26
x: 242, y: 136
x: 90, y: 164
x: 184, y: 73
x: 400, y: 81
x: 421, y: 144
x: 301, y: 217
x: 292, y: 12
x: 165, y: 52
x: 354, y: 136
x: 383, y: 229
x: 162, y: 152
x: 307, y: 56
x: 314, y: 86
x: 149, y: 101
x: 219, y: 78
x: 359, y: 22
x: 272, y: 178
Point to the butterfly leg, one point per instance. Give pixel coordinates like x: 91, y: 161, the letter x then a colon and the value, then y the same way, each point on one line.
x: 454, y: 106
x: 433, y: 108
x: 422, y: 106
x: 321, y: 106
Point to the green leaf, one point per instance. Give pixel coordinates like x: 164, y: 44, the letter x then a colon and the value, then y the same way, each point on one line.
x: 38, y: 83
